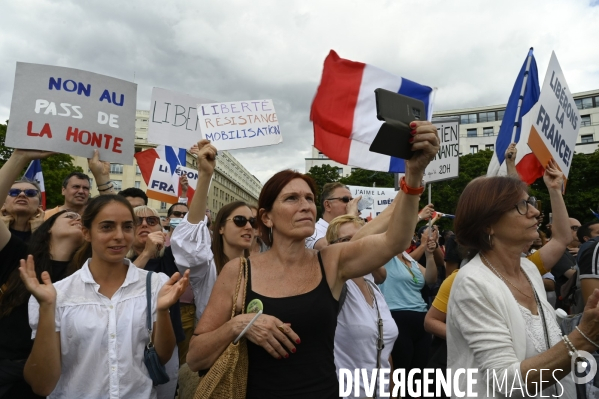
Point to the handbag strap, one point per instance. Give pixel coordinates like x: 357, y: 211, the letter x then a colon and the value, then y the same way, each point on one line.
x: 380, y: 344
x: 243, y: 270
x: 149, y: 305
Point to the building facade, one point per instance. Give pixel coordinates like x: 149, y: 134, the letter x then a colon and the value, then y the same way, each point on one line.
x: 479, y: 128
x: 231, y: 180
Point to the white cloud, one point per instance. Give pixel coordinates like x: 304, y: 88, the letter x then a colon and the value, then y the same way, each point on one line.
x: 238, y: 50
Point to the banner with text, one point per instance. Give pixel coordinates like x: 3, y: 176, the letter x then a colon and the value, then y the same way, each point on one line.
x: 446, y: 164
x: 554, y: 120
x: 174, y: 118
x: 381, y: 197
x: 73, y: 112
x: 240, y: 124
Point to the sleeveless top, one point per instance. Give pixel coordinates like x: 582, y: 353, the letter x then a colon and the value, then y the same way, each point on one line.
x: 310, y: 372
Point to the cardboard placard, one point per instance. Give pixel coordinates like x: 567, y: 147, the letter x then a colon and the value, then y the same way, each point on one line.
x: 382, y: 196
x: 554, y: 120
x: 446, y: 164
x: 72, y: 112
x: 240, y: 124
x: 163, y: 184
x: 174, y: 118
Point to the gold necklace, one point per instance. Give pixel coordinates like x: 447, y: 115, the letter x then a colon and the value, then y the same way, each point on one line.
x: 505, y: 280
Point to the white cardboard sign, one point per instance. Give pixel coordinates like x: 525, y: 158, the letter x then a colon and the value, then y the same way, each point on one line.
x: 382, y: 196
x: 240, y: 124
x: 72, y: 112
x: 163, y: 184
x: 174, y: 118
x: 445, y: 165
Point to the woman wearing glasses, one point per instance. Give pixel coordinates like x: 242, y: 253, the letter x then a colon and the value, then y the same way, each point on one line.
x: 498, y: 319
x: 291, y: 345
x: 52, y: 245
x: 22, y: 211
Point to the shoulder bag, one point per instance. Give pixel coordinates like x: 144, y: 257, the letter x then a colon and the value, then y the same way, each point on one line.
x: 156, y: 370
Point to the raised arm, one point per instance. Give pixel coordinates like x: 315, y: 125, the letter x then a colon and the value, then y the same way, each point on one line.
x: 206, y: 153
x: 510, y: 160
x: 101, y: 172
x: 357, y: 258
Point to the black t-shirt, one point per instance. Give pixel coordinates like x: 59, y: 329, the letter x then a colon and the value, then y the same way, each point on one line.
x: 15, y: 333
x: 166, y: 264
x: 588, y: 260
x: 23, y: 235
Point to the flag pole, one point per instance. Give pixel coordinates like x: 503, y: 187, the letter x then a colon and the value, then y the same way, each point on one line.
x: 430, y: 220
x: 522, y: 91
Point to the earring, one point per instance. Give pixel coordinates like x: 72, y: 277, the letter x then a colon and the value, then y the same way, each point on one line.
x: 270, y: 235
x: 490, y: 241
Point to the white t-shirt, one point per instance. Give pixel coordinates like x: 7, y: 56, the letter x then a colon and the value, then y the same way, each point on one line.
x: 102, y: 340
x: 357, y: 333
x: 320, y: 231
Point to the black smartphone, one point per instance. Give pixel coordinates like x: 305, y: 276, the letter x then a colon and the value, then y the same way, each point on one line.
x: 397, y: 111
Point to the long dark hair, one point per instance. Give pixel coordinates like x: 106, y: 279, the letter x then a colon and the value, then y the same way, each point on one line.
x: 218, y: 246
x: 91, y: 211
x: 39, y: 246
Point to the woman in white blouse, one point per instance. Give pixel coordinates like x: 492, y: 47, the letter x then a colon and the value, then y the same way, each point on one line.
x: 499, y: 320
x: 90, y: 328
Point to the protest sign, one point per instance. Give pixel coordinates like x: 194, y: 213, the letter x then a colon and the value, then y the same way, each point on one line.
x: 553, y: 121
x: 161, y: 169
x: 174, y: 118
x: 73, y: 112
x: 445, y: 165
x: 382, y: 198
x: 240, y: 124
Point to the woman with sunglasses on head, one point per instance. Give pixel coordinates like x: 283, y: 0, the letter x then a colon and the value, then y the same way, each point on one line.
x: 52, y: 245
x: 291, y: 346
x: 90, y: 328
x: 498, y: 317
x: 149, y: 252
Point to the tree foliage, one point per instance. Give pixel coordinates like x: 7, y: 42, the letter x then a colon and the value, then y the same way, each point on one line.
x: 368, y: 178
x: 55, y: 168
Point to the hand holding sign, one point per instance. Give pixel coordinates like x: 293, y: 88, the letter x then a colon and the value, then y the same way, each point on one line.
x: 553, y: 177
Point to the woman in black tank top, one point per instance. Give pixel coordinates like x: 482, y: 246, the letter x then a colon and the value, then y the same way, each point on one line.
x: 290, y: 346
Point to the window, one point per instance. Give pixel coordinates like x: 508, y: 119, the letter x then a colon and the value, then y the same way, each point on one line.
x: 137, y: 184
x: 353, y: 170
x: 490, y: 147
x: 137, y: 170
x: 500, y: 115
x: 340, y: 171
x: 587, y: 103
x: 488, y: 131
x: 163, y: 205
x: 215, y: 191
x: 578, y: 103
x: 469, y: 118
x: 321, y: 155
x: 486, y: 117
x: 117, y: 184
x: 471, y: 132
x: 473, y: 149
x: 116, y: 168
x: 596, y: 101
x: 585, y: 120
x: 586, y: 138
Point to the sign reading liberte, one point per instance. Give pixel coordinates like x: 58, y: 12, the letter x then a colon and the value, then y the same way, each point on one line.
x: 73, y: 112
x: 174, y: 118
x: 554, y: 120
x: 240, y: 124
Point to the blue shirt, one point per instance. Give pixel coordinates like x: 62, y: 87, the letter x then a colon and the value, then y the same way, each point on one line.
x: 402, y: 286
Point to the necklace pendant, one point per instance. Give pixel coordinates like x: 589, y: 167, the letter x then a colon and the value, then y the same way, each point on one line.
x: 415, y: 279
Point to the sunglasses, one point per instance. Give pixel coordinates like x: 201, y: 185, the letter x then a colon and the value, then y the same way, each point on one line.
x: 345, y: 199
x: 241, y: 221
x: 178, y: 214
x: 150, y: 220
x: 30, y: 192
x: 72, y: 215
x: 342, y: 239
x: 574, y: 228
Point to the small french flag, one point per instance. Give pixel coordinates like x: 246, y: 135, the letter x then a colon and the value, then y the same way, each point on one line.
x: 344, y: 112
x: 34, y: 172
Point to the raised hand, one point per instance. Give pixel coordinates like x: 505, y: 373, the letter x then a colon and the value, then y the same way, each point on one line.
x: 154, y: 243
x: 98, y: 168
x: 553, y: 177
x: 426, y: 212
x: 431, y: 245
x: 425, y: 144
x: 44, y: 293
x: 30, y: 155
x: 352, y: 206
x: 184, y: 184
x: 511, y: 152
x: 206, y: 153
x: 172, y: 290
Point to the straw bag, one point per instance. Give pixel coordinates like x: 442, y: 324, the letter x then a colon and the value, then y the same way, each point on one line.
x: 227, y: 378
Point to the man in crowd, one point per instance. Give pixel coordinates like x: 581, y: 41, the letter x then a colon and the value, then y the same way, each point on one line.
x: 336, y: 200
x: 588, y: 258
x: 135, y: 196
x: 75, y: 189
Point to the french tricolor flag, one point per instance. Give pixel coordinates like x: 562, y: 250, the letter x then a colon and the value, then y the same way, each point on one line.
x: 34, y: 172
x: 175, y: 157
x: 344, y: 112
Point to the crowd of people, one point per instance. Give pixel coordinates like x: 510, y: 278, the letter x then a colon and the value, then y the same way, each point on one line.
x: 336, y: 293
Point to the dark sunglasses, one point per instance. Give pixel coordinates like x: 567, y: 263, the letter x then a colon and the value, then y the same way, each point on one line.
x: 150, y: 220
x: 30, y: 192
x: 345, y: 199
x: 178, y: 214
x: 241, y: 221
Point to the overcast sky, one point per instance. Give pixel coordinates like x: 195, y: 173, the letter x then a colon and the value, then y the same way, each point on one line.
x: 471, y: 50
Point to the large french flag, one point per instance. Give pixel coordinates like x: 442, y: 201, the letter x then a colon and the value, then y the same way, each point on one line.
x: 174, y: 156
x: 344, y: 112
x: 34, y: 172
x: 524, y: 96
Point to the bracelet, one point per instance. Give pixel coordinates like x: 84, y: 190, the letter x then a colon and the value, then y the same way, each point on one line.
x: 105, y: 189
x: 409, y: 190
x: 571, y: 349
x: 587, y: 338
x: 104, y: 184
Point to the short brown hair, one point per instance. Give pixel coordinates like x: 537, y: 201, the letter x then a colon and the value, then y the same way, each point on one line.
x: 327, y: 191
x: 271, y: 191
x: 333, y: 229
x: 482, y: 203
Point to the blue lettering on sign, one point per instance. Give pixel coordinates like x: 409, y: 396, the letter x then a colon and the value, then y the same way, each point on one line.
x: 70, y: 86
x: 106, y: 95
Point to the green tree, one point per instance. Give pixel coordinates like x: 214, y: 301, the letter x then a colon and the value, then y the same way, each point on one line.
x: 368, y: 178
x: 323, y: 174
x: 55, y: 168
